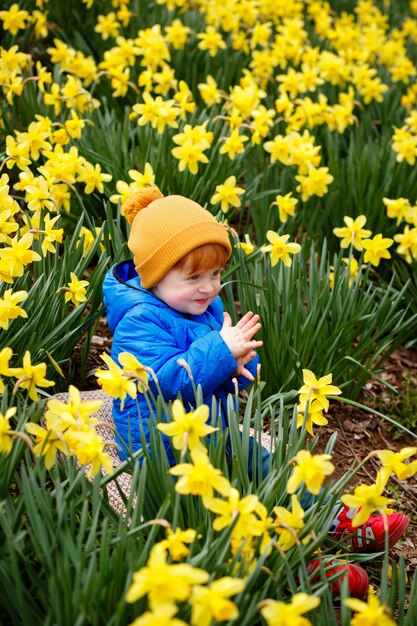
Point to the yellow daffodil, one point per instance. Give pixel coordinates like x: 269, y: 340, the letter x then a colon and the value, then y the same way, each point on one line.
x: 41, y: 24
x: 107, y: 25
x: 74, y: 411
x: 352, y: 269
x: 373, y: 89
x: 88, y: 446
x: 247, y: 246
x: 315, y: 183
x: 191, y: 144
x: 402, y: 70
x: 393, y: 462
x: 120, y: 81
x: 371, y: 613
x: 175, y: 542
x: 407, y: 243
x: 404, y: 143
x: 54, y: 98
x: 14, y: 19
x: 18, y: 255
x: 157, y: 112
x: 144, y: 179
x: 60, y: 136
x: 314, y: 416
x: 76, y: 290
x: 189, y: 155
x: 230, y: 508
x: 211, y: 40
x: 8, y: 204
x: 199, y: 478
x: 31, y: 376
x: 286, y: 206
x: 9, y: 309
x: 209, y: 91
x: 376, y: 249
x: 152, y: 46
x: 279, y: 149
x: 50, y: 234
x: 164, y: 81
x: 38, y: 195
x: 186, y: 429
x: 5, y: 356
x: 212, y: 602
x: 227, y: 194
x: 245, y: 98
x: 233, y: 144
x: 184, y: 97
x: 35, y: 139
x: 47, y: 443
x: 61, y: 196
x: 287, y: 523
x: 163, y: 583
x: 114, y: 381
x: 290, y: 83
x: 369, y: 498
x: 262, y: 120
x: 397, y: 208
x: 124, y: 190
x: 25, y: 178
x: 63, y: 165
x: 317, y: 389
x: 43, y: 76
x: 88, y: 238
x: 93, y: 178
x: 74, y: 126
x: 6, y: 431
x: 132, y: 368
x: 5, y: 274
x: 177, y: 34
x: 353, y: 233
x: 18, y: 153
x: 61, y: 53
x: 279, y: 248
x: 13, y: 87
x: 310, y: 469
x: 277, y: 613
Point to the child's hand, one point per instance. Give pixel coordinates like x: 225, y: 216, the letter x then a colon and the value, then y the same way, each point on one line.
x: 241, y: 362
x: 239, y: 338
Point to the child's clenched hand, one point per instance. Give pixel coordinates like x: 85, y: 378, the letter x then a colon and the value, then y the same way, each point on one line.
x: 239, y: 338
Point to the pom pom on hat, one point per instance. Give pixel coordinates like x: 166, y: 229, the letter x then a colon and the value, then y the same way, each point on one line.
x: 138, y: 200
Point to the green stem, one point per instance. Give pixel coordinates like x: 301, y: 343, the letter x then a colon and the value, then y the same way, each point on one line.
x: 177, y: 499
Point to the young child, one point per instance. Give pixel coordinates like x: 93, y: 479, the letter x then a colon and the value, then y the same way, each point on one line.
x: 164, y: 306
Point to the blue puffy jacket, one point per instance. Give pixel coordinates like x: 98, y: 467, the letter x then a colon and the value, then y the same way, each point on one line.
x: 158, y: 336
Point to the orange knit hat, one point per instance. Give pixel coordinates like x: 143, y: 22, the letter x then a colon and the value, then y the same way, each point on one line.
x: 165, y: 229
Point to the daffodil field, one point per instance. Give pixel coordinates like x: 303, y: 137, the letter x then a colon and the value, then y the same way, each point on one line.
x: 295, y: 123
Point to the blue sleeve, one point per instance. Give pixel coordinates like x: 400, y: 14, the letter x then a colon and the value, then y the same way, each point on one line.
x: 208, y: 357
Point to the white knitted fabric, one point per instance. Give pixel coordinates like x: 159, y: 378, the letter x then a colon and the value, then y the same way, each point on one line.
x: 104, y: 415
x: 106, y: 430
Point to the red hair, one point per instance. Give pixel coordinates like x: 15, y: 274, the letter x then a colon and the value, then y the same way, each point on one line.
x: 204, y: 258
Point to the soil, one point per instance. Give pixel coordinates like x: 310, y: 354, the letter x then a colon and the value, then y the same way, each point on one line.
x: 358, y: 431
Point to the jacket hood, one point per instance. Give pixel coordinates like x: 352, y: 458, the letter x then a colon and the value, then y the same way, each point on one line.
x: 122, y: 291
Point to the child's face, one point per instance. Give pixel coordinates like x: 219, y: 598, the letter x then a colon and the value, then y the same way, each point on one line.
x: 189, y: 293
